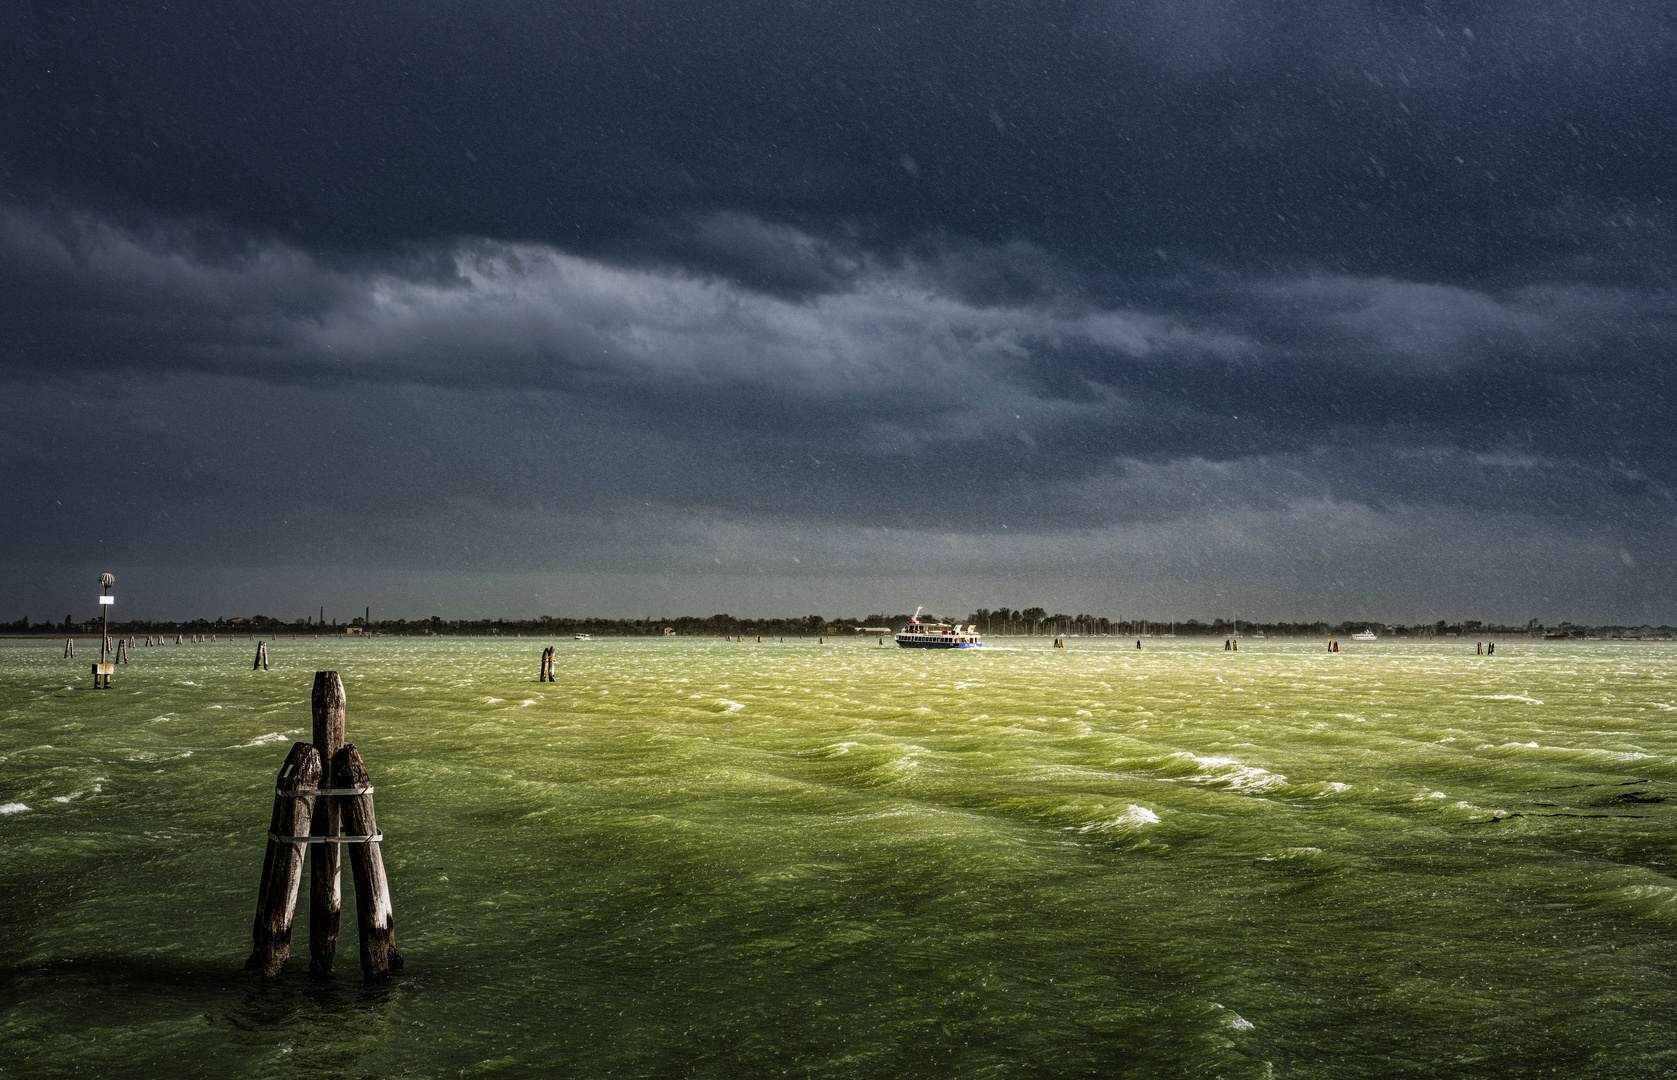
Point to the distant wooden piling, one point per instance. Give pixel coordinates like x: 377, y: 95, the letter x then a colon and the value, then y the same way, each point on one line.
x: 547, y: 666
x: 69, y: 648
x: 325, y: 875
x: 122, y: 650
x: 375, y: 919
x: 261, y: 661
x: 282, y: 867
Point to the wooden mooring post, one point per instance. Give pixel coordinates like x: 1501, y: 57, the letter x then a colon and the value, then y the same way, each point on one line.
x: 547, y: 666
x: 325, y: 874
x: 261, y: 662
x: 282, y: 867
x: 316, y: 784
x: 374, y: 917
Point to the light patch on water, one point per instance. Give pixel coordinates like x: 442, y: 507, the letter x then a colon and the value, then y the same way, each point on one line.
x: 728, y: 706
x: 67, y: 798
x: 528, y: 702
x: 1509, y: 697
x: 1289, y: 853
x: 13, y: 808
x: 491, y: 700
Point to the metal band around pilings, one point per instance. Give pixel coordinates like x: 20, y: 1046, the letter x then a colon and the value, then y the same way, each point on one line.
x: 325, y: 839
x: 368, y: 790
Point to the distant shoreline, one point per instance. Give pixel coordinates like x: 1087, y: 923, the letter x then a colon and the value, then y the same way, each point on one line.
x: 277, y: 635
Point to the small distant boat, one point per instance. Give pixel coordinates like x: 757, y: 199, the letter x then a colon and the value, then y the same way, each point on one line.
x: 1365, y: 635
x: 937, y: 635
x: 582, y: 637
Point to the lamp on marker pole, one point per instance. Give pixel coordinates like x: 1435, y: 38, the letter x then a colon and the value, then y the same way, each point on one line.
x: 105, y: 602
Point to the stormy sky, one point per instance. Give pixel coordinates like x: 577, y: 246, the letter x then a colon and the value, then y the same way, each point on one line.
x: 1164, y: 308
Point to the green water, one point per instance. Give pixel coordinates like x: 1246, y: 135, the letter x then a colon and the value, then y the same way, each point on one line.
x: 694, y: 858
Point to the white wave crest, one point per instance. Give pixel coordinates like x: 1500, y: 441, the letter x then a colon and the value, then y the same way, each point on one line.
x: 1133, y: 817
x: 1231, y: 775
x: 261, y: 740
x: 13, y: 808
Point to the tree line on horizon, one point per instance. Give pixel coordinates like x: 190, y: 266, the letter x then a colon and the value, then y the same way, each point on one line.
x: 1000, y: 622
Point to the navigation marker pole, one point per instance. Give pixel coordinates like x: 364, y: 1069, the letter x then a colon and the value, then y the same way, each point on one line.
x: 103, y: 669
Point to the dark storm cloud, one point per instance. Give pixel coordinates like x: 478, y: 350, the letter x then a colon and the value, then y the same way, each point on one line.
x: 895, y: 360
x: 1423, y: 139
x: 1140, y: 292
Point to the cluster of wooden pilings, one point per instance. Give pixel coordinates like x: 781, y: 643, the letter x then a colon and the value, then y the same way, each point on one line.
x: 319, y: 784
x: 261, y: 662
x: 547, y: 666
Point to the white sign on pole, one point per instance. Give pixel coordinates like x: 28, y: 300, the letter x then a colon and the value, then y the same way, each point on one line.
x: 107, y: 599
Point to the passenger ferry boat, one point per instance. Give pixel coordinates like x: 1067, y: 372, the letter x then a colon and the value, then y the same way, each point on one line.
x: 937, y: 635
x: 1365, y: 635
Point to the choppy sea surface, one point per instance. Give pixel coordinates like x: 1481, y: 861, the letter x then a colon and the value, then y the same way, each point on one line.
x: 699, y: 858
